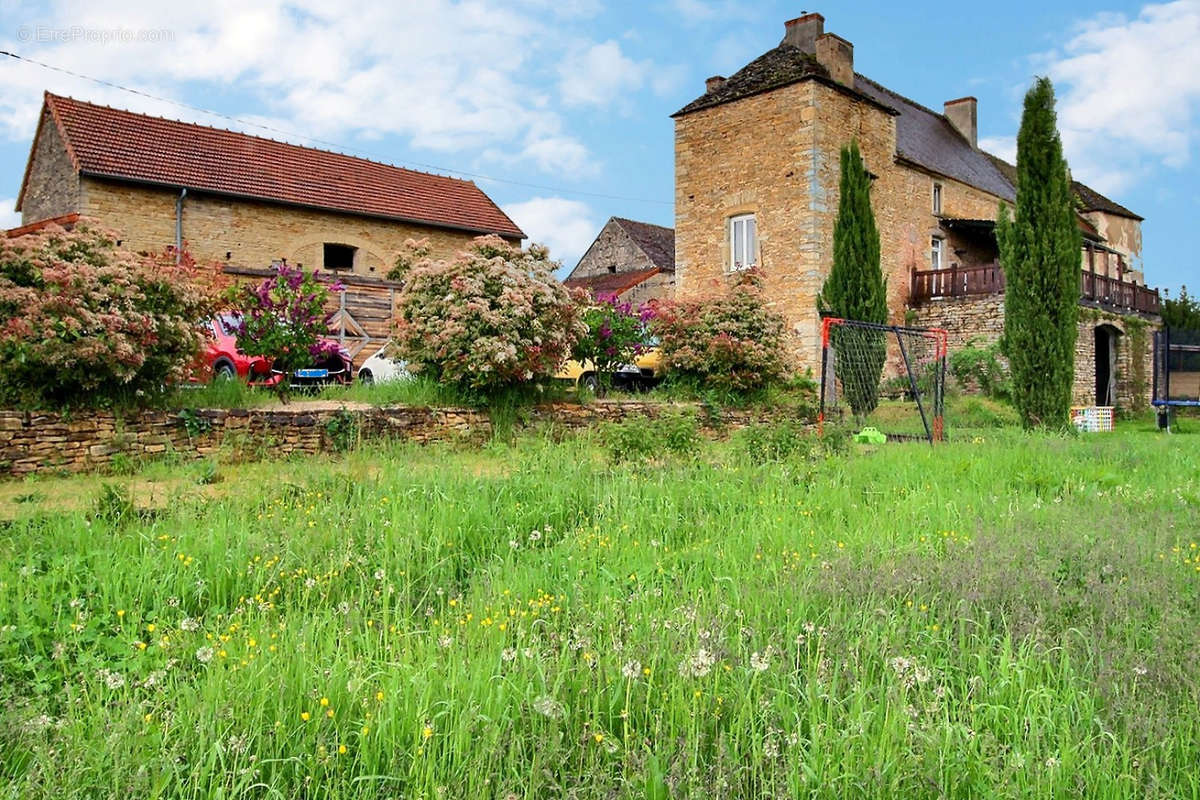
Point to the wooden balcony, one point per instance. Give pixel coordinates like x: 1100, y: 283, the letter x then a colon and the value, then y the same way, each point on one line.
x: 1101, y: 290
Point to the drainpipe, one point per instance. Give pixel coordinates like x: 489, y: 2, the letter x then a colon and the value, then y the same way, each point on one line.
x: 179, y: 224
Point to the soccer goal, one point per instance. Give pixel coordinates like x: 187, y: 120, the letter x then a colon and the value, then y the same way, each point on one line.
x: 1176, y: 372
x: 886, y: 377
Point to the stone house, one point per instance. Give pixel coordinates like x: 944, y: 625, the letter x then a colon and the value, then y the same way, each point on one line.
x: 757, y: 172
x: 634, y: 261
x: 240, y: 199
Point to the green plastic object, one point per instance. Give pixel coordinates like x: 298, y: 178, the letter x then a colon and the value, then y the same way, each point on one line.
x: 870, y: 436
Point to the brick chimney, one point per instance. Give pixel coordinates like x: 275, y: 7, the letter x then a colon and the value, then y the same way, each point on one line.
x: 962, y: 114
x: 714, y: 83
x: 836, y: 55
x: 803, y: 32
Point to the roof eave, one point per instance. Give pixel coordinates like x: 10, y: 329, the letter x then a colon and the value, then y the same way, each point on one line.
x: 514, y: 233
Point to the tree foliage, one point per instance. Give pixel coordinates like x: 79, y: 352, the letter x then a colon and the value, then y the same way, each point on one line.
x: 1181, y: 313
x: 1040, y: 252
x: 488, y: 319
x: 855, y: 288
x: 85, y: 322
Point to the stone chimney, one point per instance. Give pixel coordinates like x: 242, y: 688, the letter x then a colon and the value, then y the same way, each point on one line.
x: 962, y: 114
x: 714, y: 83
x: 836, y: 55
x: 803, y: 32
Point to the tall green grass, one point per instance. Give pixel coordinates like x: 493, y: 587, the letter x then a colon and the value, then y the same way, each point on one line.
x: 1010, y: 617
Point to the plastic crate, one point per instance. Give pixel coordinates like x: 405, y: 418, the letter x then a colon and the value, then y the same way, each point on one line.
x: 1092, y: 419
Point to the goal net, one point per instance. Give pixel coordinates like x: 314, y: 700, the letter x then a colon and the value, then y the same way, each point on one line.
x: 887, y: 377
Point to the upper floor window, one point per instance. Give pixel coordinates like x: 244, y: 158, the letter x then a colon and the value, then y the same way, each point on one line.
x: 339, y: 256
x: 743, y: 242
x: 935, y: 253
x: 937, y: 198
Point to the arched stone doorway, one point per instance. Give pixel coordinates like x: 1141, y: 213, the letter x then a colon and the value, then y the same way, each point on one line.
x: 1106, y: 344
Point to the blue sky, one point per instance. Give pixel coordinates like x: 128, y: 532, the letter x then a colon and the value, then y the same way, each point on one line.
x: 561, y: 107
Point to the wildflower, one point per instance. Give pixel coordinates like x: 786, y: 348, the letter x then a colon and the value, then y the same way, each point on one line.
x: 535, y: 535
x: 760, y: 662
x: 508, y: 654
x: 341, y: 749
x: 427, y: 732
x: 324, y: 702
x: 204, y: 655
x: 1052, y: 762
x: 380, y: 574
x: 599, y: 737
x: 379, y: 695
x: 631, y: 669
x: 189, y: 625
x: 549, y: 707
x: 698, y: 665
x: 305, y: 716
x: 150, y: 627
x: 120, y: 613
x: 113, y: 680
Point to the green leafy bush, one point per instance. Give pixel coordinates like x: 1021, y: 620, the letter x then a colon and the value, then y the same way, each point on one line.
x: 614, y: 335
x: 981, y: 367
x: 491, y: 318
x: 731, y: 343
x: 640, y: 439
x: 84, y: 322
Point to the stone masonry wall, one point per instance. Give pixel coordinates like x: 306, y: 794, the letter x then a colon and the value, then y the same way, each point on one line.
x: 778, y: 155
x: 255, y: 234
x: 982, y: 319
x: 44, y: 442
x: 612, y: 248
x: 53, y: 187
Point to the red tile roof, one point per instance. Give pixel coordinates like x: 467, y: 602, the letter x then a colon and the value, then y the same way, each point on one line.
x: 611, y: 284
x: 111, y: 143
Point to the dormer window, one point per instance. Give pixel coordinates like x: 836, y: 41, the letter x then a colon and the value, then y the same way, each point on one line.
x: 937, y: 198
x: 743, y: 242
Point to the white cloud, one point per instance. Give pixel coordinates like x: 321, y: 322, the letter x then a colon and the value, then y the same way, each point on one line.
x: 600, y: 75
x: 1128, y: 93
x: 8, y: 217
x: 565, y: 226
x: 451, y: 76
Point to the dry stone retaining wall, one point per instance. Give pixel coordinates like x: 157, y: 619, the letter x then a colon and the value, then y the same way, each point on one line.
x: 32, y: 442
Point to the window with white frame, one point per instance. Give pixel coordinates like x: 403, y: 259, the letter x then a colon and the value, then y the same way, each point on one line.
x: 743, y: 242
x: 937, y: 198
x: 935, y: 253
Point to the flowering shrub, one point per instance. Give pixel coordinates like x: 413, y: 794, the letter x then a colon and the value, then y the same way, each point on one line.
x: 285, y: 318
x: 615, y: 334
x: 412, y: 253
x: 488, y: 319
x: 83, y: 321
x: 731, y: 343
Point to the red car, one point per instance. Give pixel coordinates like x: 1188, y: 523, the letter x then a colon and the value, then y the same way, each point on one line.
x: 222, y: 360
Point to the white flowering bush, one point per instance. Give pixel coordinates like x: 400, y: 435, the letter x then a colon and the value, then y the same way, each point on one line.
x: 488, y: 319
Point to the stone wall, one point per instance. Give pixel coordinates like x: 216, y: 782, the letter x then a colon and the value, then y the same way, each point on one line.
x: 982, y: 319
x: 43, y: 442
x: 254, y: 234
x: 613, y: 251
x: 53, y: 186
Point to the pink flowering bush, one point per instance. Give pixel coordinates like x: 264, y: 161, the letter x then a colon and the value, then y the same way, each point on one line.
x: 84, y: 322
x: 731, y: 342
x: 490, y: 318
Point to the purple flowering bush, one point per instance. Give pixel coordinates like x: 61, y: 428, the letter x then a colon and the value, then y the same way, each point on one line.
x: 86, y: 322
x: 615, y: 334
x: 286, y: 319
x: 731, y: 342
x: 489, y: 319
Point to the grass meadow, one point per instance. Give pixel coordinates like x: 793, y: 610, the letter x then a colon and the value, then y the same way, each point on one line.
x: 1007, y: 615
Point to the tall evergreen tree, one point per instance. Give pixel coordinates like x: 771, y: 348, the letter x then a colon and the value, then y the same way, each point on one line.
x: 855, y: 288
x: 1040, y: 252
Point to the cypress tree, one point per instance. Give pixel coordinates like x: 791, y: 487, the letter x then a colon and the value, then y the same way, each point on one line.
x: 855, y: 288
x: 1040, y: 253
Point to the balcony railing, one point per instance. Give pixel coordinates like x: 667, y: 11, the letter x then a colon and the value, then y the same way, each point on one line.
x: 984, y: 279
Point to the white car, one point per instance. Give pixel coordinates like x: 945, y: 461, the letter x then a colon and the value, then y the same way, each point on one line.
x: 381, y: 368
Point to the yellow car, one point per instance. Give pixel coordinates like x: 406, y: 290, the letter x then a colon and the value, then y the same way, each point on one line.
x: 644, y: 372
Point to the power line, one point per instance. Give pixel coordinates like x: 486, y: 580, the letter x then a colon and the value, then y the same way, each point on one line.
x: 335, y: 145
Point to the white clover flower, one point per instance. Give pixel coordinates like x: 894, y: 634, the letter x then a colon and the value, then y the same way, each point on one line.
x: 188, y: 624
